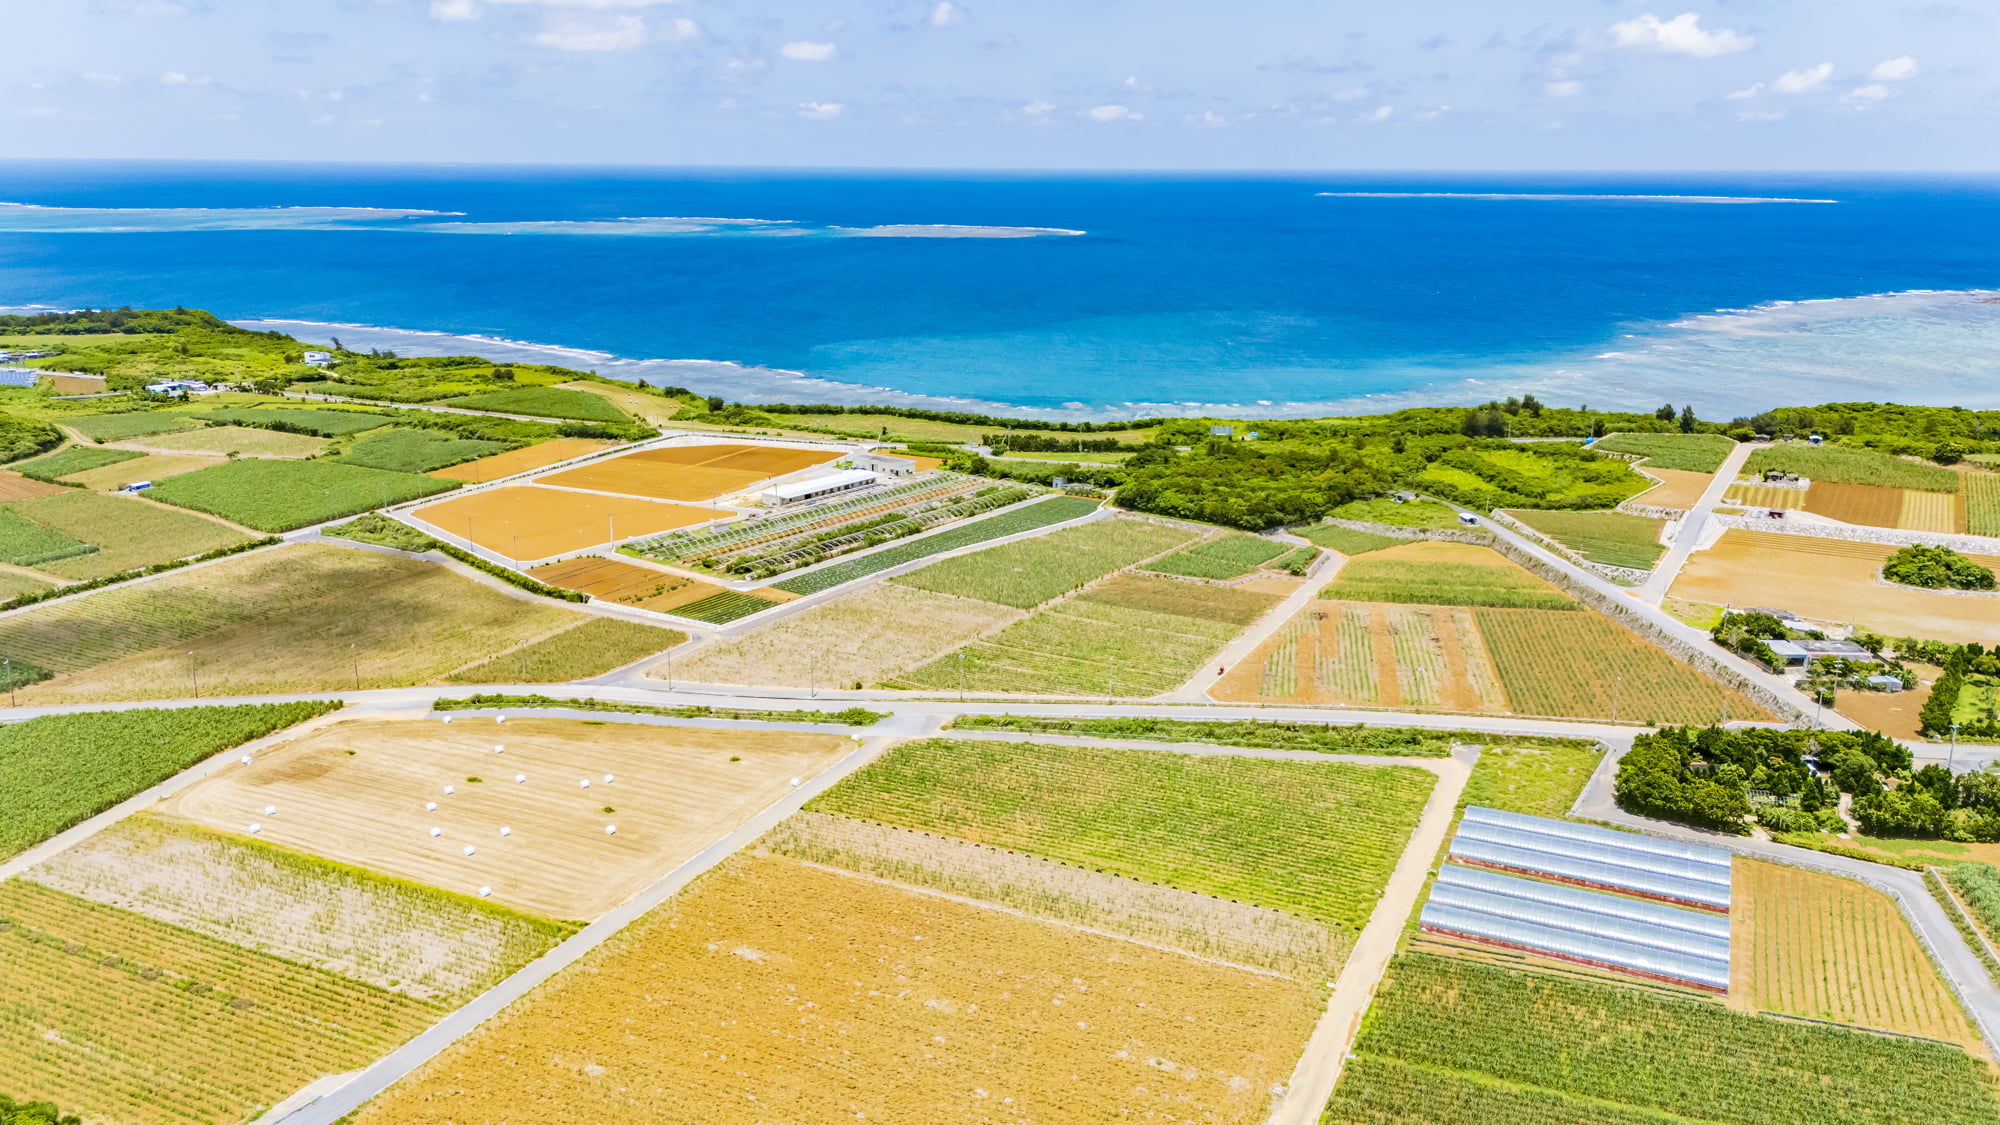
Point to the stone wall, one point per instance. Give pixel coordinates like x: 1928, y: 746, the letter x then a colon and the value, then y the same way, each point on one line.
x: 1888, y: 536
x: 1622, y: 575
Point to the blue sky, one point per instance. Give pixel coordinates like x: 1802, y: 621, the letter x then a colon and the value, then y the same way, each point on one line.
x: 1252, y: 84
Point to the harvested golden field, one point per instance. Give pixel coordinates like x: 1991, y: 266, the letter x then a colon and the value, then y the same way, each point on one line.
x: 1679, y: 488
x: 1943, y: 512
x: 1865, y: 504
x: 356, y: 793
x: 1360, y: 652
x: 14, y: 486
x: 1804, y: 943
x: 1765, y: 496
x: 689, y: 472
x: 1832, y: 580
x: 592, y: 647
x: 300, y: 618
x: 874, y: 634
x: 220, y: 441
x: 523, y: 522
x: 123, y: 1019
x: 772, y: 991
x: 521, y: 460
x: 627, y: 583
x: 153, y: 466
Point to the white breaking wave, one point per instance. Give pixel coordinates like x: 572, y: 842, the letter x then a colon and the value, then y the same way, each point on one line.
x: 1556, y: 197
x: 36, y: 218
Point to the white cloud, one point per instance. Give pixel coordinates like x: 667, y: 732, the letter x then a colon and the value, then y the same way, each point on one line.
x: 678, y: 30
x: 622, y: 34
x: 1568, y: 88
x: 1866, y: 95
x: 144, y: 8
x: 453, y: 11
x: 1112, y: 113
x: 1038, y: 108
x: 1379, y: 113
x: 1431, y: 114
x: 820, y: 111
x: 1894, y: 70
x: 1682, y: 35
x: 1759, y: 114
x: 1750, y: 91
x: 807, y: 52
x: 96, y: 79
x: 947, y: 14
x: 598, y: 4
x: 1207, y: 119
x: 1799, y: 81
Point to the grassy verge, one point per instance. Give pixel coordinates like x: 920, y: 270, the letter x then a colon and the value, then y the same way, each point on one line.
x: 1324, y: 738
x: 853, y: 716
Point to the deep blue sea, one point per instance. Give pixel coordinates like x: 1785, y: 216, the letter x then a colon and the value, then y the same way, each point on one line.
x: 1068, y: 295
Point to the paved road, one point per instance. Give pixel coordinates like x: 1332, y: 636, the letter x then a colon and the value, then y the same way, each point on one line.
x: 1689, y: 537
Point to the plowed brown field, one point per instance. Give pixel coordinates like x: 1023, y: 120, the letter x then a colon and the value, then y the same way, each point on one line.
x: 772, y: 991
x: 1680, y: 488
x: 355, y: 792
x: 619, y: 581
x: 14, y: 486
x: 520, y: 460
x: 1864, y: 504
x: 524, y: 522
x: 689, y: 472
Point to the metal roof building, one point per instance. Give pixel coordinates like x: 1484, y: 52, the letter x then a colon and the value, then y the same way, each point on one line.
x: 1672, y: 871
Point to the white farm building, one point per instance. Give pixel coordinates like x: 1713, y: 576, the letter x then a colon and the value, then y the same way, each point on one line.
x: 814, y: 490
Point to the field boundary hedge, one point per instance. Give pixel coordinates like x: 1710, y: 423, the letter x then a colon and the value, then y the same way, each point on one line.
x: 512, y: 577
x: 31, y: 597
x: 852, y: 716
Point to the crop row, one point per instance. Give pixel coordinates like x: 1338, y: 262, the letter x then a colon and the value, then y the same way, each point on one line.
x: 722, y: 608
x: 1585, y: 666
x: 1266, y: 734
x: 806, y: 549
x: 1230, y: 556
x: 1694, y: 453
x: 1982, y: 503
x: 694, y: 543
x: 276, y: 495
x: 1033, y: 571
x: 1054, y: 510
x: 1443, y: 583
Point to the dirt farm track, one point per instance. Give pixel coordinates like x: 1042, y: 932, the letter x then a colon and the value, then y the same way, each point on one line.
x: 355, y: 792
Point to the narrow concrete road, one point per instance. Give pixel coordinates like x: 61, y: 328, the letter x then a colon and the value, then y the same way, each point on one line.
x: 1654, y: 590
x: 1326, y: 1051
x: 1239, y: 650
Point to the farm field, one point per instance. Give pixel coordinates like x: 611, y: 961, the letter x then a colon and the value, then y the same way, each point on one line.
x: 1456, y: 1030
x: 1046, y: 513
x: 1804, y: 943
x: 1132, y: 634
x: 1032, y: 571
x: 59, y: 770
x: 592, y: 647
x: 1871, y: 506
x: 128, y: 532
x: 1203, y: 925
x: 1346, y: 540
x: 1440, y: 573
x: 118, y: 1017
x: 1694, y: 453
x: 219, y: 441
x: 416, y: 451
x: 1611, y: 538
x: 523, y: 522
x: 654, y: 410
x: 1834, y: 464
x: 1982, y: 503
x: 676, y: 791
x: 1313, y: 839
x: 147, y: 466
x: 394, y: 935
x: 1528, y: 476
x: 521, y: 460
x: 1230, y: 556
x: 123, y: 427
x: 1584, y: 665
x: 1356, y: 652
x: 1678, y: 488
x: 1833, y: 580
x: 14, y: 486
x: 697, y: 1012
x: 1265, y: 734
x: 1765, y: 496
x: 14, y: 582
x: 874, y: 634
x: 724, y: 606
x: 329, y: 422
x: 299, y: 618
x: 1410, y: 513
x: 274, y: 495
x: 627, y: 583
x: 1893, y: 713
x: 72, y: 459
x: 542, y: 402
x: 689, y: 472
x: 23, y: 542
x: 1536, y: 776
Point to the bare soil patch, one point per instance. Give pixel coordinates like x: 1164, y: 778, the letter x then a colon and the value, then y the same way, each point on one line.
x: 1893, y: 713
x: 628, y: 583
x: 1678, y: 489
x: 14, y: 486
x: 520, y: 460
x: 1864, y: 504
x: 525, y: 522
x: 689, y: 472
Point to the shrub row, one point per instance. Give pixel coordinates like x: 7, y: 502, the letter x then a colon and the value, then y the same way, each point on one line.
x: 852, y: 716
x: 514, y: 577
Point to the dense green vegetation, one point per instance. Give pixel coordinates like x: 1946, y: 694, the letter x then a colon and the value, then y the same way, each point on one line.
x: 1029, y: 572
x: 1969, y: 671
x: 1936, y: 568
x: 382, y: 531
x: 125, y: 320
x: 1324, y: 738
x: 388, y: 377
x: 1421, y: 512
x: 24, y: 542
x: 126, y: 533
x: 125, y: 425
x: 1536, y: 1044
x: 1423, y: 582
x: 75, y: 459
x: 1840, y: 465
x: 852, y: 716
x: 1315, y: 839
x: 416, y: 451
x: 329, y: 422
x: 1345, y: 540
x: 272, y: 495
x: 1054, y: 510
x: 1944, y: 434
x: 1530, y: 774
x: 25, y: 437
x: 1978, y: 886
x: 1552, y: 475
x: 1611, y: 538
x: 543, y: 402
x: 132, y: 348
x: 14, y: 1112
x: 1231, y: 556
x: 724, y: 607
x: 1694, y: 453
x: 61, y: 769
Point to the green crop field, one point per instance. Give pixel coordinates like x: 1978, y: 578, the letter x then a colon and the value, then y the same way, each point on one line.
x: 1232, y: 556
x: 1529, y: 774
x: 128, y: 532
x: 1323, y: 738
x: 1982, y: 503
x: 74, y: 459
x: 138, y: 423
x: 1458, y: 1030
x: 1314, y: 839
x: 1835, y: 464
x: 1556, y: 475
x: 1054, y: 510
x: 382, y: 531
x: 1611, y: 538
x: 121, y: 1018
x: 543, y: 402
x: 60, y: 769
x: 1032, y: 571
x: 1347, y: 541
x: 591, y: 648
x: 1586, y: 666
x: 1422, y: 512
x: 1424, y: 582
x: 24, y: 542
x: 1694, y: 453
x: 416, y: 451
x: 323, y: 423
x: 1978, y: 885
x: 1132, y: 636
x: 721, y: 609
x: 282, y: 495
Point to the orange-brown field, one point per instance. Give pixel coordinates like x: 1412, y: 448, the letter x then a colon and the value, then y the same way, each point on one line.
x: 1893, y: 713
x: 355, y: 792
x: 521, y: 521
x: 1765, y: 496
x: 520, y: 460
x: 1809, y: 944
x: 689, y: 472
x: 619, y: 581
x: 1680, y: 488
x: 773, y: 991
x: 1363, y: 652
x: 1832, y: 580
x: 14, y: 486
